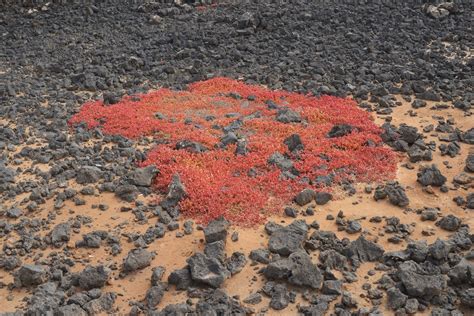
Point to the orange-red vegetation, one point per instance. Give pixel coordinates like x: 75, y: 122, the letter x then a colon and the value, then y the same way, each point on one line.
x: 244, y: 188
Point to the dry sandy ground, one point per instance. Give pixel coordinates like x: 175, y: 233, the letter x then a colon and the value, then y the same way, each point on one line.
x: 172, y: 252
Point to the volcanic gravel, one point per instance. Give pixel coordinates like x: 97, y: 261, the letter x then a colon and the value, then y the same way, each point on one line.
x: 54, y: 57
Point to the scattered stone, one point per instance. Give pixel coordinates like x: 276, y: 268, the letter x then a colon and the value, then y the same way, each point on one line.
x: 30, y: 275
x: 88, y: 174
x: 395, y: 298
x: 363, y: 250
x: 143, y: 176
x: 288, y: 239
x: 253, y: 299
x: 418, y: 282
x: 181, y: 278
x: 288, y: 116
x: 236, y: 262
x: 449, y: 223
x: 340, y: 131
x: 209, y: 271
x: 305, y: 197
x: 260, y: 255
x: 431, y: 176
x: 154, y: 295
x: 93, y: 277
x: 60, y: 234
x: 127, y: 192
x: 322, y: 198
x: 216, y: 230
x: 136, y: 259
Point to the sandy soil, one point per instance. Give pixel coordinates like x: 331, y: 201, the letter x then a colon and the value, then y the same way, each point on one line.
x: 172, y: 252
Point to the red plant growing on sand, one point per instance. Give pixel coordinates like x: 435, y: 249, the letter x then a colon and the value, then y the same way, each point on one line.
x: 230, y: 174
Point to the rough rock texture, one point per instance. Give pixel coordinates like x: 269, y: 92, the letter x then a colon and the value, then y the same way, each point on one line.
x: 136, y: 259
x: 209, y: 271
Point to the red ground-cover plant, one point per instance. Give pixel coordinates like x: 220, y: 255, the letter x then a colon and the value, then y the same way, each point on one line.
x: 244, y: 188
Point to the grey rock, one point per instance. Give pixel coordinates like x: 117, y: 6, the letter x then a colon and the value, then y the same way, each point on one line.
x: 418, y: 251
x: 468, y: 136
x: 176, y: 192
x: 462, y: 273
x: 470, y: 162
x: 70, y: 310
x: 470, y: 201
x: 60, y: 234
x: 279, y: 160
x: 181, y: 278
x: 429, y: 214
x: 253, y: 299
x: 29, y: 275
x: 418, y: 282
x: 127, y: 192
x: 287, y: 240
x: 143, y: 176
x: 340, y: 130
x: 207, y: 270
x: 396, y: 194
x: 271, y: 227
x: 297, y: 268
x: 303, y: 271
x: 395, y: 298
x: 191, y: 146
x: 102, y: 304
x: 353, y: 227
x: 279, y: 269
x: 364, y: 250
x: 260, y: 255
x: 216, y: 250
x: 92, y: 239
x: 10, y: 263
x: 136, y: 259
x: 14, y: 212
x: 88, y: 174
x: 305, y: 197
x: 467, y: 297
x: 439, y: 250
x: 216, y: 230
x: 291, y: 212
x: 333, y: 260
x: 332, y: 287
x: 449, y: 223
x: 411, y: 306
x: 93, y: 277
x: 280, y: 297
x: 176, y: 310
x: 408, y: 133
x: 322, y: 198
x: 236, y: 262
x: 294, y: 142
x: 288, y: 116
x: 157, y: 275
x: 154, y: 295
x: 431, y: 176
x: 45, y: 300
x: 417, y: 103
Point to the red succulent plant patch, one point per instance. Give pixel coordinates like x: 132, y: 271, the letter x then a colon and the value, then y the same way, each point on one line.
x: 243, y: 151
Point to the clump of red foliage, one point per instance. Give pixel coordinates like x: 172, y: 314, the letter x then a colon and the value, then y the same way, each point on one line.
x: 218, y: 181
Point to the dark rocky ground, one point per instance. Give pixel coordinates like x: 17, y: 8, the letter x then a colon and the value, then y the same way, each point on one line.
x: 55, y: 57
